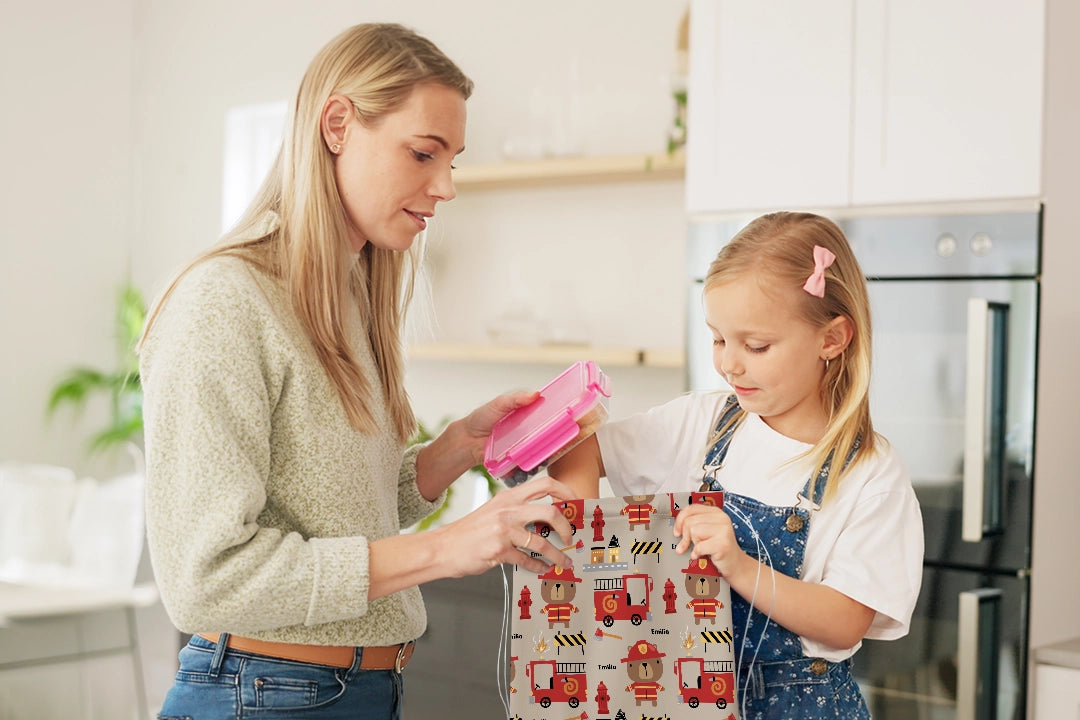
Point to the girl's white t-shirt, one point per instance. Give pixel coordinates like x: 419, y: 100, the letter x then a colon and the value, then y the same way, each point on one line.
x: 866, y: 541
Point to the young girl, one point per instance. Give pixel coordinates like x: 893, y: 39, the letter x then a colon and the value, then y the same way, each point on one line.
x: 820, y: 536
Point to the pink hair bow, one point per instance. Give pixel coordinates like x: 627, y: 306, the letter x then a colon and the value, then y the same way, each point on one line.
x: 815, y: 284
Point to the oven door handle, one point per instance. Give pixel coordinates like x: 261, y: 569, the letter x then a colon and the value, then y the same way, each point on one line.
x: 984, y: 421
x: 977, y: 654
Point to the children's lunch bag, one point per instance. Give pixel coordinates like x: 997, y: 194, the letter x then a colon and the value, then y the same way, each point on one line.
x: 632, y: 631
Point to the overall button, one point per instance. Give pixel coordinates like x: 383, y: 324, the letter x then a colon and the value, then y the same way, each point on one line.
x: 794, y: 523
x: 819, y: 667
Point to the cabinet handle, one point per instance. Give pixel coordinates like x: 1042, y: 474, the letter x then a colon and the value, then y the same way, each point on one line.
x: 984, y: 421
x: 977, y: 654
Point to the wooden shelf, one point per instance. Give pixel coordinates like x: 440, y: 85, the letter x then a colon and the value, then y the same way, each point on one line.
x: 546, y: 354
x: 571, y: 171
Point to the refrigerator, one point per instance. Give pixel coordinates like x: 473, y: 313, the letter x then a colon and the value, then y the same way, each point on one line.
x: 955, y: 304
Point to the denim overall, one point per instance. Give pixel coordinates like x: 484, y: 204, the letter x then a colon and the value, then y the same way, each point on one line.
x: 776, y: 681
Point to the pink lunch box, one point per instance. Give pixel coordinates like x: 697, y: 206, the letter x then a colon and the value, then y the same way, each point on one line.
x: 569, y: 409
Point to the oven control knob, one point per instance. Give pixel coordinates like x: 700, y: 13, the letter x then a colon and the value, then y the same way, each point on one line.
x: 946, y: 245
x: 981, y: 244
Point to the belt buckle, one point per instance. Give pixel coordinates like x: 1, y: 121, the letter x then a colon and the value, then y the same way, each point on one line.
x: 400, y: 660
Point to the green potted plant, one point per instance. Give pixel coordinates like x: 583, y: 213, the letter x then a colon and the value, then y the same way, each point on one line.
x: 121, y: 384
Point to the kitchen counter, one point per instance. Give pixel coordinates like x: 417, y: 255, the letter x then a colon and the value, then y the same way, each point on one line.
x: 1063, y: 654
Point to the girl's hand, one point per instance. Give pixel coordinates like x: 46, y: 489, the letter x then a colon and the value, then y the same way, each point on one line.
x: 495, y: 532
x: 708, y: 530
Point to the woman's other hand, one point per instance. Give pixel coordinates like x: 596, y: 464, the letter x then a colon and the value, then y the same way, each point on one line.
x: 496, y: 532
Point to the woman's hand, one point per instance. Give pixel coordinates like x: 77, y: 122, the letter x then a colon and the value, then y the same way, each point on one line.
x: 461, y: 445
x: 477, y: 425
x: 495, y: 532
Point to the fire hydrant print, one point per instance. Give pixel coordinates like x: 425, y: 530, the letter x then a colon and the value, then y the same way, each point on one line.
x: 633, y: 631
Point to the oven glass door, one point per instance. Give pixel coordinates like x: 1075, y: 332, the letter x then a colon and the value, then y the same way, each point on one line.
x: 953, y: 390
x: 964, y: 659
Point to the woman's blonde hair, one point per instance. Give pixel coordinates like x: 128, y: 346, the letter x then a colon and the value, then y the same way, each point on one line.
x: 295, y: 228
x: 778, y: 249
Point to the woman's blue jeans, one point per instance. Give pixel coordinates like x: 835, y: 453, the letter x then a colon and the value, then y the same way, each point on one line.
x: 215, y: 683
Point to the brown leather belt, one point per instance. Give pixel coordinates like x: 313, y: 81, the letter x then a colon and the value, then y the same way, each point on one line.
x: 381, y: 657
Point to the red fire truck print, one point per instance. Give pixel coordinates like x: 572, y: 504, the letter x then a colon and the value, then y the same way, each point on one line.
x: 556, y: 682
x: 705, y: 681
x: 622, y: 598
x: 572, y: 510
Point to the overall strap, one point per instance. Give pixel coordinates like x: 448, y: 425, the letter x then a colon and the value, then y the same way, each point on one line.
x: 725, y: 427
x: 822, y: 477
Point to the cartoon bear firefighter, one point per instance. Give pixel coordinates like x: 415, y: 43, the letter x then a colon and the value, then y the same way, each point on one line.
x: 558, y: 587
x: 703, y: 584
x: 644, y: 668
x: 638, y: 510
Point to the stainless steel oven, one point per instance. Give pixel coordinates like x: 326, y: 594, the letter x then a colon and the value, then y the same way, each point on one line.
x: 955, y: 297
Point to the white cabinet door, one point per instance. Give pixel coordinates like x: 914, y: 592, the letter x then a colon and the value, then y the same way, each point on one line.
x: 947, y: 100
x: 769, y: 104
x: 1057, y: 693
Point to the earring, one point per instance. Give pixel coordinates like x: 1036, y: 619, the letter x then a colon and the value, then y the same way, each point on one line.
x: 827, y: 363
x: 335, y: 148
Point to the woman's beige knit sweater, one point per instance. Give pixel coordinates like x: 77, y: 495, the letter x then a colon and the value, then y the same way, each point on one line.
x: 261, y: 497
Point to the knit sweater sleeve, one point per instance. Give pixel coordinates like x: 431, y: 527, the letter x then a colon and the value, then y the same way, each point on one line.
x: 412, y: 506
x: 211, y: 385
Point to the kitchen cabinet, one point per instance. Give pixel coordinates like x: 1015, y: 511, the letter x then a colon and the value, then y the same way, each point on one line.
x: 768, y: 104
x: 948, y: 98
x: 863, y: 102
x: 1057, y: 681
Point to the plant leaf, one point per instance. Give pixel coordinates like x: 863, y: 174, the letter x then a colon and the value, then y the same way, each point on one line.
x: 123, y: 430
x: 75, y: 387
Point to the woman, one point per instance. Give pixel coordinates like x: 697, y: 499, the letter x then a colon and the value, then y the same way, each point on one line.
x: 277, y: 418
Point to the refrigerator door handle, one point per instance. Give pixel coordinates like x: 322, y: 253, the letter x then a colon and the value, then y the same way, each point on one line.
x: 984, y: 421
x: 977, y: 654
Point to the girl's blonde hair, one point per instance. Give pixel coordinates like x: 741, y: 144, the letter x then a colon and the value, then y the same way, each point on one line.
x: 295, y: 228
x: 778, y: 249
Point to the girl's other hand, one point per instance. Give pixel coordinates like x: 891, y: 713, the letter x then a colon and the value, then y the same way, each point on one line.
x: 496, y: 532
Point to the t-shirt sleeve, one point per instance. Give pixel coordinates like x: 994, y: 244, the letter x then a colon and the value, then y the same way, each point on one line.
x: 660, y: 450
x: 877, y: 559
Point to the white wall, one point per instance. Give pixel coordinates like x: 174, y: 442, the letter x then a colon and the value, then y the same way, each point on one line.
x: 616, y: 250
x: 65, y: 200
x: 111, y: 158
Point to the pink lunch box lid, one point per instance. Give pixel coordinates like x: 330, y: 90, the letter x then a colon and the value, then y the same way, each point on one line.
x: 528, y: 436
